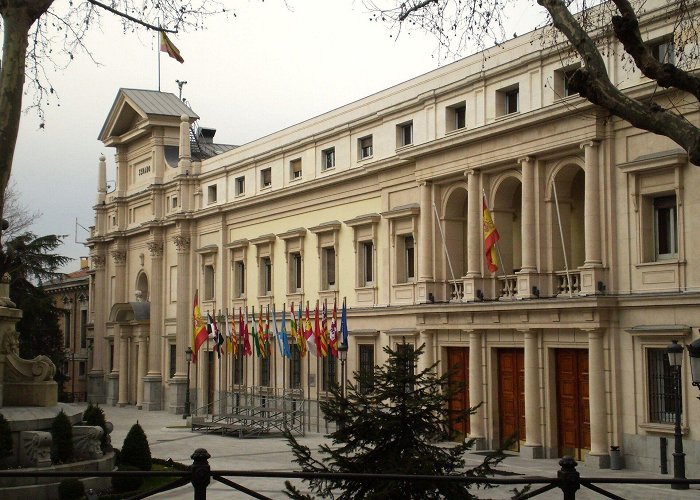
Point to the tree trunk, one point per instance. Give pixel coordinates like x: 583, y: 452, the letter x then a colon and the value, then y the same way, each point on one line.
x: 17, y: 18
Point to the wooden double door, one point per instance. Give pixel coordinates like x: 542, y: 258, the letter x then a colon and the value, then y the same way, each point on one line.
x: 458, y: 366
x: 511, y: 397
x: 573, y: 408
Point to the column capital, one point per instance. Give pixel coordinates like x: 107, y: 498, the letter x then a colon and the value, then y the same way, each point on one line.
x: 182, y: 243
x: 425, y: 183
x: 98, y: 261
x: 119, y: 257
x: 526, y: 159
x: 471, y: 172
x: 155, y: 248
x: 590, y: 144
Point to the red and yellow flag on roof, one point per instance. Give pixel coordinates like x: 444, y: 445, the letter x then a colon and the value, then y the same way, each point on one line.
x: 169, y: 47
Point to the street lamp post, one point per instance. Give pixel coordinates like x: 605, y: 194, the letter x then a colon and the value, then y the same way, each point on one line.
x: 343, y: 355
x: 694, y: 353
x: 188, y: 356
x: 675, y: 358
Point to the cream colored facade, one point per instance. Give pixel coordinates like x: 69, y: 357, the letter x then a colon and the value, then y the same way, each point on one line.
x: 408, y: 165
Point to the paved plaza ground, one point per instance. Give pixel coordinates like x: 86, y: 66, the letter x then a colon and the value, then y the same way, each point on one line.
x: 169, y: 437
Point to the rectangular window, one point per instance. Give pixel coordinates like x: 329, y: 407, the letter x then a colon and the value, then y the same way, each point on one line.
x: 211, y: 194
x: 265, y: 372
x: 208, y: 282
x: 237, y: 368
x: 409, y: 261
x: 663, y: 50
x: 266, y: 177
x: 665, y: 227
x: 295, y: 169
x: 456, y: 116
x: 295, y: 272
x: 239, y: 279
x: 512, y: 101
x: 570, y: 88
x: 173, y: 202
x: 83, y: 328
x: 405, y: 134
x: 240, y: 186
x: 329, y: 374
x: 173, y: 360
x: 365, y: 147
x: 661, y: 384
x: 295, y: 367
x: 66, y: 329
x: 366, y: 368
x: 328, y: 159
x: 266, y: 276
x: 367, y: 263
x: 328, y: 268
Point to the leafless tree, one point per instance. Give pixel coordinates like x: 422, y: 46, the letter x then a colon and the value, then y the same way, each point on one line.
x: 586, y: 24
x: 41, y: 34
x: 18, y: 215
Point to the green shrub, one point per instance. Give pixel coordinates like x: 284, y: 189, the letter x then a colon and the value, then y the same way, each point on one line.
x: 121, y: 484
x: 62, y: 439
x: 71, y: 489
x: 136, y: 451
x: 5, y: 440
x: 94, y: 415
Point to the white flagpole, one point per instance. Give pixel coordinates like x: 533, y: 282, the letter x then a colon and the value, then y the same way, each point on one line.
x: 444, y: 246
x: 561, y: 234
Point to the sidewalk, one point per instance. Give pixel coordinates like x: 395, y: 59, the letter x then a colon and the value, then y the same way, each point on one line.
x: 169, y: 437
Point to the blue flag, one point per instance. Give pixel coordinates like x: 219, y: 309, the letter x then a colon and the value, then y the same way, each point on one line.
x: 283, y: 337
x: 344, y: 324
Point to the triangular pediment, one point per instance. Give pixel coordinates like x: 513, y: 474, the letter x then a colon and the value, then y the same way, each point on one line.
x: 134, y: 110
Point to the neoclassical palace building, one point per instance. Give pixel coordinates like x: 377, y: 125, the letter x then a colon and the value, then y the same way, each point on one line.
x: 380, y: 202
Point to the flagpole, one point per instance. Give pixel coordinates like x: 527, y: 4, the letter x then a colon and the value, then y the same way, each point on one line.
x: 561, y: 235
x: 158, y: 51
x: 447, y: 254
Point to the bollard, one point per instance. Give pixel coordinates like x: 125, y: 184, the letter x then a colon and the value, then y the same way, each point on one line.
x: 201, y: 472
x: 615, y: 458
x: 663, y: 456
x: 569, y: 478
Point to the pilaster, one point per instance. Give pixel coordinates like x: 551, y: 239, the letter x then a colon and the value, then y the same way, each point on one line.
x: 425, y: 242
x: 533, y: 420
x: 599, y: 456
x: 476, y: 391
x: 96, y: 383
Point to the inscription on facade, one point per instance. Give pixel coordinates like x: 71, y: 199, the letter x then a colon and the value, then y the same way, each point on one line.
x: 144, y: 170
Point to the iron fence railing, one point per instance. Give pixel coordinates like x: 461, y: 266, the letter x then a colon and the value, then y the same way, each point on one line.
x: 200, y: 475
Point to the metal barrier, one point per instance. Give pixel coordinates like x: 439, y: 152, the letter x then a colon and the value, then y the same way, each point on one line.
x: 199, y: 474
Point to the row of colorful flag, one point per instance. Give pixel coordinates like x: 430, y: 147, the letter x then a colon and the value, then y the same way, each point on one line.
x: 245, y: 335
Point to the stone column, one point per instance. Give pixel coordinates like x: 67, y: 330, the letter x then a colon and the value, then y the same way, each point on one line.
x: 591, y: 211
x: 123, y: 368
x: 153, y: 383
x: 119, y: 258
x: 184, y: 324
x: 474, y: 203
x: 184, y: 163
x: 141, y: 368
x: 476, y: 391
x: 96, y: 377
x: 533, y: 430
x: 425, y: 243
x: 599, y: 456
x: 528, y: 229
x: 428, y: 357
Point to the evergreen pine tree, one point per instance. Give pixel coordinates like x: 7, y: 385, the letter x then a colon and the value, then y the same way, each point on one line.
x: 94, y: 415
x: 5, y: 441
x: 391, y: 429
x: 61, y: 439
x: 136, y: 451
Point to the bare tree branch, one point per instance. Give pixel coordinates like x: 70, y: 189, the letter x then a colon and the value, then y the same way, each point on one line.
x: 130, y: 18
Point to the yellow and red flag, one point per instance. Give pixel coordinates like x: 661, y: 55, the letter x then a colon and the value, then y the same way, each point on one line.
x: 169, y: 47
x: 490, y: 238
x: 199, y: 333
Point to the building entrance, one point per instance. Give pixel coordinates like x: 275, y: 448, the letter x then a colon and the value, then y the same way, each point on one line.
x: 511, y: 396
x: 573, y: 411
x: 458, y: 366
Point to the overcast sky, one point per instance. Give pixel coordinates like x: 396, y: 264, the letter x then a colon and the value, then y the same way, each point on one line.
x: 247, y: 76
